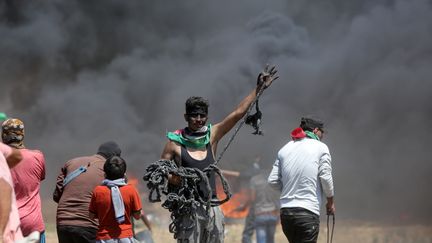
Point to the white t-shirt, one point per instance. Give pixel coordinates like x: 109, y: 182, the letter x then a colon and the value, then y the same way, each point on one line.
x: 302, y: 171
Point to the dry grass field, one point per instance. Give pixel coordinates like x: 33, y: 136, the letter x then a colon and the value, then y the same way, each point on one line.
x: 345, y: 232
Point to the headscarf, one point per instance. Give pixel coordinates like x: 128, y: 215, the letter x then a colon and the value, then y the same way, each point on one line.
x: 13, y: 133
x: 116, y: 197
x: 298, y: 133
x: 192, y: 139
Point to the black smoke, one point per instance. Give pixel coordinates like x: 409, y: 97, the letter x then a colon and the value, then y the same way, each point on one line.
x: 80, y: 73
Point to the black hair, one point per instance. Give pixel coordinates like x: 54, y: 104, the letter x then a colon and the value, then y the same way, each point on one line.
x: 114, y: 168
x: 109, y: 149
x: 309, y: 124
x: 197, y: 104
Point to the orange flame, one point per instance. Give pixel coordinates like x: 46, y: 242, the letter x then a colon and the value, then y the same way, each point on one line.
x: 133, y: 181
x: 234, y: 208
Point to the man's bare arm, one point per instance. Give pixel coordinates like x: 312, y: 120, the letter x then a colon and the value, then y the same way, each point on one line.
x: 223, y: 127
x: 169, y: 154
x: 230, y: 173
x: 5, y: 204
x: 168, y: 151
x: 14, y: 158
x: 330, y: 206
x: 146, y: 221
x: 220, y: 129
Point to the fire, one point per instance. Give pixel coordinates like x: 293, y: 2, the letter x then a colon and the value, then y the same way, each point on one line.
x: 133, y: 181
x: 234, y: 208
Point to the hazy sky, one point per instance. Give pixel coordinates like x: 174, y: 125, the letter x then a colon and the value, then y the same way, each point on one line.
x: 79, y: 73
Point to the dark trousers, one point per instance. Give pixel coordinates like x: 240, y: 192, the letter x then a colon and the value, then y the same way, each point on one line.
x: 76, y: 234
x: 299, y: 225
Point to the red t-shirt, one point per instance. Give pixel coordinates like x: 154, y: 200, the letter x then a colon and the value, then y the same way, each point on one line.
x: 27, y: 177
x: 101, y: 205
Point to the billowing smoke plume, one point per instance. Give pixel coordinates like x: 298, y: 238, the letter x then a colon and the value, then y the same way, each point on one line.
x: 83, y: 72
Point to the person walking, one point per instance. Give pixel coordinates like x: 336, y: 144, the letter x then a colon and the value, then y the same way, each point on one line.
x: 249, y: 224
x: 303, y: 173
x: 265, y: 204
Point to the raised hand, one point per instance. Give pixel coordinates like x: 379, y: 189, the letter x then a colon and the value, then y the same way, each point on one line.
x: 266, y: 77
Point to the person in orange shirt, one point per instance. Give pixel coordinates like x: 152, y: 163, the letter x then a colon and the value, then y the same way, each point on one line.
x: 113, y: 203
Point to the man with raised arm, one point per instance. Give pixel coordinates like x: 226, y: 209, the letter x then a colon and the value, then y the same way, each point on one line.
x: 195, y: 147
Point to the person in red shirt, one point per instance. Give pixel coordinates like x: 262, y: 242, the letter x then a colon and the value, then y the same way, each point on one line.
x: 27, y: 177
x: 114, y: 202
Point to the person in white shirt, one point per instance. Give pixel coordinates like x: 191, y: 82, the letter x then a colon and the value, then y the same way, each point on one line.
x: 303, y: 173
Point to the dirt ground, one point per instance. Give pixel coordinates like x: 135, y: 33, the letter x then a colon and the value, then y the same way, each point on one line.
x: 345, y: 232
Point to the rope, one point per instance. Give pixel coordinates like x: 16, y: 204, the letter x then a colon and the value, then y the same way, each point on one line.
x: 261, y: 90
x: 225, y: 185
x: 255, y: 120
x: 183, y: 200
x: 330, y: 239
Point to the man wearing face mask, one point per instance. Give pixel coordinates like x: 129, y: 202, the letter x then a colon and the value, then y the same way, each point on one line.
x: 303, y: 173
x: 195, y: 147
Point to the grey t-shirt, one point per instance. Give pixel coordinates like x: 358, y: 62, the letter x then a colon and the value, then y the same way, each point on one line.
x: 266, y: 198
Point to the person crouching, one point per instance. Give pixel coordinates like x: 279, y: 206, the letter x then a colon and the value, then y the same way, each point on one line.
x: 113, y: 203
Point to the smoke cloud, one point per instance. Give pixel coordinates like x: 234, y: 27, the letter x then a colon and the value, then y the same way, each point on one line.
x: 80, y: 73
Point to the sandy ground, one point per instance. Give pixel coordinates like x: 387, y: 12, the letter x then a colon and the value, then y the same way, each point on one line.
x: 345, y: 232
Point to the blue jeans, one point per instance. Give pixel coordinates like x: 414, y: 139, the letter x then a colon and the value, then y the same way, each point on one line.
x: 265, y: 226
x: 249, y: 226
x: 42, y: 238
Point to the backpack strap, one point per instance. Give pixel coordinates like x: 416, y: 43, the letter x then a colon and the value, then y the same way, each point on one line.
x: 74, y: 174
